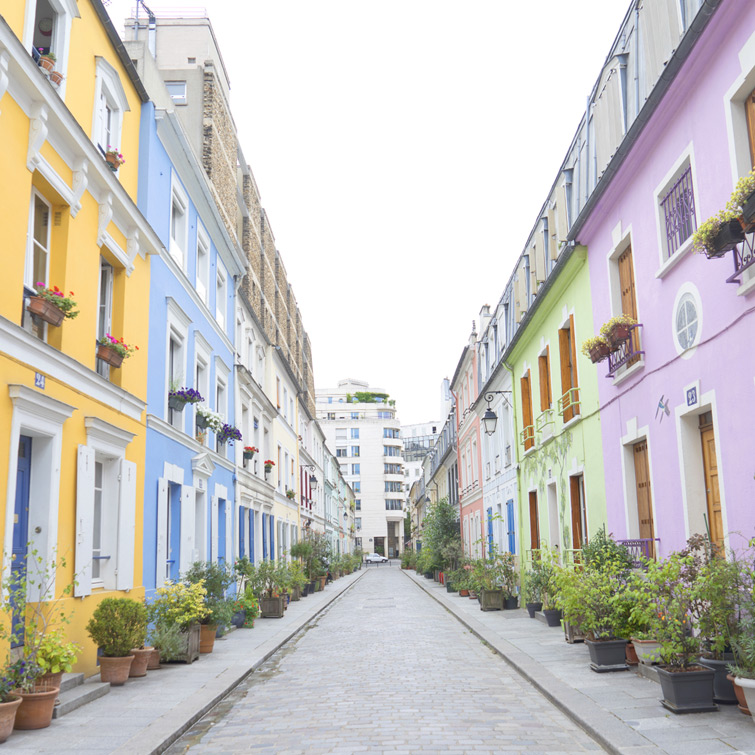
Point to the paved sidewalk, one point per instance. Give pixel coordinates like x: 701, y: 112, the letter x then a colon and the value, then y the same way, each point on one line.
x: 621, y: 710
x: 146, y: 715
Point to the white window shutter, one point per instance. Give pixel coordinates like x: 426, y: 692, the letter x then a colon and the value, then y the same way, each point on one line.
x: 84, y: 521
x: 229, y: 532
x: 188, y: 527
x: 214, y: 530
x: 162, y: 531
x: 124, y: 579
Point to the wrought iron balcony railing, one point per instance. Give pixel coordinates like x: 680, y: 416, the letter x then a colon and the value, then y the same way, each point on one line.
x: 744, y: 254
x: 627, y: 351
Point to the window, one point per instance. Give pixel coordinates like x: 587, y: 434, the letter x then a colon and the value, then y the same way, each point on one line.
x: 392, y: 505
x: 356, y: 486
x: 220, y: 406
x: 569, y: 403
x: 358, y: 522
x: 750, y: 114
x: 385, y: 415
x: 355, y: 450
x: 392, y: 469
x: 37, y: 254
x: 341, y: 453
x: 331, y: 415
x: 203, y: 265
x: 358, y: 504
x: 528, y: 431
x: 179, y: 222
x: 285, y: 405
x: 175, y: 373
x: 543, y: 363
x: 355, y: 469
x: 677, y: 207
x: 177, y: 91
x: 355, y: 433
x: 390, y: 432
x: 355, y: 415
x: 391, y: 451
x: 393, y: 487
x: 221, y: 302
x: 110, y: 104
x: 340, y: 433
x: 97, y: 523
x: 687, y: 325
x: 105, y: 309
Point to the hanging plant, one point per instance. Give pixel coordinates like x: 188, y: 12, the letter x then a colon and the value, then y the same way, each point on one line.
x: 718, y: 234
x: 228, y: 433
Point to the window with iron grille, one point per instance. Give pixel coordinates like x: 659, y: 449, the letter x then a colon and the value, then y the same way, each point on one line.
x: 677, y: 206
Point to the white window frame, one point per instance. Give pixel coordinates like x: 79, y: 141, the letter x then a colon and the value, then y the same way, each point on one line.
x: 178, y: 99
x: 108, y: 91
x: 29, y: 266
x: 179, y: 246
x: 202, y: 278
x: 222, y: 382
x: 687, y: 290
x: 177, y: 326
x: 221, y: 294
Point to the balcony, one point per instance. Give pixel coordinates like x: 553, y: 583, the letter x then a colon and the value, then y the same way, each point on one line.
x: 545, y: 423
x: 641, y: 549
x: 628, y: 352
x: 568, y: 404
x: 527, y: 437
x: 744, y: 253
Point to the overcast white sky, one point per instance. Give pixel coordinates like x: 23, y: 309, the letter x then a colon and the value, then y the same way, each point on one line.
x: 403, y: 150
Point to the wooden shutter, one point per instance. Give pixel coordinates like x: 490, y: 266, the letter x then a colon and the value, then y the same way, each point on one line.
x: 544, y: 367
x: 644, y: 494
x: 124, y: 574
x: 229, y: 559
x: 84, y: 521
x: 629, y: 296
x: 162, y: 531
x: 534, y: 522
x: 573, y: 355
x: 527, y: 408
x: 188, y: 527
x: 712, y: 493
x: 564, y: 351
x: 576, y: 495
x: 750, y: 112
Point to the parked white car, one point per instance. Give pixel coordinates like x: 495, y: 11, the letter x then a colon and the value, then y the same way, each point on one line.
x: 375, y: 558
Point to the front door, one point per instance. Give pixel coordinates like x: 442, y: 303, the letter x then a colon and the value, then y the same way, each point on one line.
x: 20, y: 532
x: 577, y: 494
x: 710, y: 469
x: 534, y: 522
x: 511, y: 524
x: 644, y: 495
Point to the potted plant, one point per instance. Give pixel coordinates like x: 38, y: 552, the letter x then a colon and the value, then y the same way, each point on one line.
x: 52, y: 305
x: 208, y: 420
x: 249, y: 452
x: 290, y: 494
x: 271, y: 602
x: 114, y: 350
x: 36, y: 702
x: 9, y: 700
x: 181, y: 606
x: 532, y: 587
x: 228, y: 434
x: 743, y: 198
x: 269, y: 464
x: 178, y: 397
x: 168, y: 644
x: 216, y: 579
x: 596, y: 348
x: 47, y: 60
x: 56, y: 77
x: 297, y: 579
x: 617, y: 330
x: 117, y: 625
x: 246, y: 609
x: 55, y: 657
x: 718, y: 234
x: 114, y: 158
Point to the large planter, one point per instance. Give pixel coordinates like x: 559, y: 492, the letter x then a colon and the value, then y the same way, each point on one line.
x: 632, y: 658
x: 511, y: 602
x: 47, y: 64
x: 572, y: 633
x: 599, y: 352
x: 552, y: 616
x: 176, y: 403
x: 207, y: 637
x: 322, y: 581
x: 154, y: 660
x: 739, y: 690
x: 190, y: 650
x: 723, y: 689
x: 296, y: 593
x: 491, y: 600
x: 109, y: 354
x: 141, y: 660
x: 729, y: 235
x: 238, y: 619
x: 248, y: 455
x: 748, y: 209
x: 271, y: 608
x: 463, y: 593
x: 8, y: 717
x: 115, y: 670
x: 449, y: 586
x: 607, y: 655
x: 35, y: 710
x: 46, y: 311
x: 533, y: 608
x: 647, y: 651
x: 688, y: 691
x: 428, y: 575
x: 619, y: 334
x: 48, y: 681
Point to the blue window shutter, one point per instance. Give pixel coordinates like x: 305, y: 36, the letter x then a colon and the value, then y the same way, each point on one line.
x: 511, y: 524
x: 490, y: 532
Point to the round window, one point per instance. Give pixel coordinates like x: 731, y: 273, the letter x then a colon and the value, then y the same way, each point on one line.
x: 686, y: 321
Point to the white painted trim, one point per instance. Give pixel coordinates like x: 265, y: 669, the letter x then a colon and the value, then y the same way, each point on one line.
x: 178, y: 194
x: 687, y: 289
x: 734, y: 112
x: 39, y: 356
x: 109, y: 439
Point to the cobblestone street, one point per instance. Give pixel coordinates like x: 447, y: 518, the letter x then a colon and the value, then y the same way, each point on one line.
x: 385, y: 669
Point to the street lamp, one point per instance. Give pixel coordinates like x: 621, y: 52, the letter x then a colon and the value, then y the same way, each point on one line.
x: 312, y: 478
x: 490, y: 419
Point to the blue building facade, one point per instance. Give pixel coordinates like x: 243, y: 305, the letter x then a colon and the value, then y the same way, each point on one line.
x: 189, y: 497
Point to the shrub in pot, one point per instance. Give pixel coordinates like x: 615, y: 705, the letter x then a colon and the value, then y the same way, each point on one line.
x: 549, y: 565
x: 9, y: 700
x: 56, y: 656
x: 216, y: 579
x: 116, y: 626
x: 179, y: 606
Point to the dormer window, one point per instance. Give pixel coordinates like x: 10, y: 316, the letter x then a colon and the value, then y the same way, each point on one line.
x: 110, y: 104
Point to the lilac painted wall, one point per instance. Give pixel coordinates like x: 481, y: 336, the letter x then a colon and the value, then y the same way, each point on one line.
x: 693, y: 115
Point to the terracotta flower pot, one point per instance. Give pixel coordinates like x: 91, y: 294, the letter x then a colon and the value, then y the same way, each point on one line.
x: 740, y: 693
x: 46, y: 311
x: 109, y: 354
x: 8, y: 717
x: 48, y: 681
x: 207, y: 637
x: 48, y: 64
x: 154, y: 660
x: 631, y: 657
x: 56, y: 77
x: 35, y: 710
x: 115, y: 670
x: 141, y: 661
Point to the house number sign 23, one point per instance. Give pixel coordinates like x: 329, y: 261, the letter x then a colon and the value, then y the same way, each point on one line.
x: 691, y: 396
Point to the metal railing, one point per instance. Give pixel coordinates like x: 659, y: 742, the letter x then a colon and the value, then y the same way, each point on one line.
x: 626, y: 352
x: 641, y: 548
x: 744, y: 255
x: 527, y: 437
x: 678, y: 208
x: 570, y: 400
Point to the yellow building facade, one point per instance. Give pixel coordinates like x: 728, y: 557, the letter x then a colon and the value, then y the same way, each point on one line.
x: 71, y: 425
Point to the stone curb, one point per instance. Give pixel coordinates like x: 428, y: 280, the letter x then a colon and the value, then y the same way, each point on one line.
x: 162, y: 733
x: 604, y: 727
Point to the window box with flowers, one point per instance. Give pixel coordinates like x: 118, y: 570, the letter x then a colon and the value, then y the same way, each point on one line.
x: 597, y: 348
x: 290, y: 494
x: 52, y: 305
x: 208, y: 420
x: 179, y: 397
x: 269, y: 464
x: 742, y: 200
x: 114, y: 158
x: 617, y: 330
x: 718, y: 235
x: 228, y: 433
x: 249, y: 452
x: 114, y: 350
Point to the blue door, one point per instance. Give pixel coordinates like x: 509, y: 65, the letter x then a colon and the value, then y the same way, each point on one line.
x: 20, y: 532
x: 264, y: 536
x: 251, y: 535
x: 511, y: 524
x: 271, y: 519
x: 221, y: 530
x: 490, y: 532
x: 242, y: 531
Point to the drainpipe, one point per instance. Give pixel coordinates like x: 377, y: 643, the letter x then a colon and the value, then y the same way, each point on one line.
x: 636, y: 59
